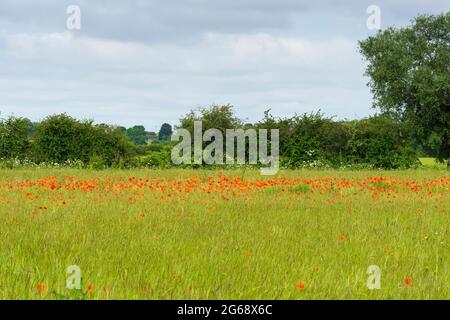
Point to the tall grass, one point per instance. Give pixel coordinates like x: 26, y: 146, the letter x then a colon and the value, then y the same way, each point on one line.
x: 134, y: 242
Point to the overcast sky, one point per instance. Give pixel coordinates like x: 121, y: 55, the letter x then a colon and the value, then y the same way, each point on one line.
x: 149, y: 62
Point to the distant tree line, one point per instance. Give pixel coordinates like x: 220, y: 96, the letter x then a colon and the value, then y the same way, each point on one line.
x: 139, y: 136
x: 63, y: 139
x: 308, y: 140
x: 314, y: 140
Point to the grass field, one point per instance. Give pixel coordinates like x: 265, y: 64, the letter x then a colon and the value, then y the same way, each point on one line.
x: 178, y: 234
x: 431, y: 163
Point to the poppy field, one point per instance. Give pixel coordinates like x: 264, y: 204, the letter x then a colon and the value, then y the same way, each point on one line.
x: 203, y: 234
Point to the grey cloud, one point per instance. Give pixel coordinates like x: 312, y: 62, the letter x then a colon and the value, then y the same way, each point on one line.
x: 186, y: 20
x: 152, y: 61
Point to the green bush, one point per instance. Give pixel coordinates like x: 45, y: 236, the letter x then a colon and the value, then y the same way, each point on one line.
x: 61, y: 138
x: 382, y: 142
x: 314, y: 141
x: 97, y: 163
x: 110, y: 144
x: 14, y: 142
x: 306, y: 141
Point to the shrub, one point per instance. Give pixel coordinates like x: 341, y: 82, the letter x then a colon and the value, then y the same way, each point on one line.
x: 382, y: 142
x: 60, y: 138
x: 110, y: 144
x: 14, y: 142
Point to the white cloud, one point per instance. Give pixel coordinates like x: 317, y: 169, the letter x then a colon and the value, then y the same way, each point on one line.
x: 212, y: 53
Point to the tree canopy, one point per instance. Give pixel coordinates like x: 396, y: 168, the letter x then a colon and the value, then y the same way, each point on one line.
x: 137, y: 134
x: 410, y: 77
x: 215, y: 116
x: 165, y: 132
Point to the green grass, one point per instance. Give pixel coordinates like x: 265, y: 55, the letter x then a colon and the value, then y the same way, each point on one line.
x: 133, y: 244
x: 431, y: 163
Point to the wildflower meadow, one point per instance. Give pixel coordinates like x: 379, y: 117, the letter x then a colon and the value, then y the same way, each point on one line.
x: 233, y: 234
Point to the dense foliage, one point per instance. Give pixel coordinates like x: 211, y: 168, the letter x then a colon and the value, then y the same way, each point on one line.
x: 409, y: 70
x: 313, y: 140
x: 165, y: 132
x: 62, y: 139
x: 14, y: 142
x: 309, y: 140
x: 137, y: 134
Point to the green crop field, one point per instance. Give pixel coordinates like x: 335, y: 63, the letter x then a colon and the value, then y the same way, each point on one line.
x: 192, y: 234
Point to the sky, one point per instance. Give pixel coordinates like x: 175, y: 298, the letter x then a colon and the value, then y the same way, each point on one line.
x: 149, y: 62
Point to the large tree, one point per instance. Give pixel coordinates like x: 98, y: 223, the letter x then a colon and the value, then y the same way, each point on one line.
x: 165, y: 132
x: 217, y: 117
x: 137, y: 134
x: 410, y: 76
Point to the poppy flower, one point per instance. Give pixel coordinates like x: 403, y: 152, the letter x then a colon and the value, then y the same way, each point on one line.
x: 300, y: 286
x: 41, y: 288
x: 408, y: 281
